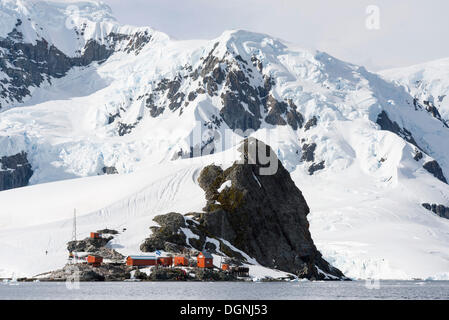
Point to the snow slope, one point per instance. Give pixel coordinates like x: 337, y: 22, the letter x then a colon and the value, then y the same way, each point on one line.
x: 366, y: 218
x: 427, y: 82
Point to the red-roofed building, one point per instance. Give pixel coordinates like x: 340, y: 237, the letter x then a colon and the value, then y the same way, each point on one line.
x: 205, y: 260
x: 141, y: 261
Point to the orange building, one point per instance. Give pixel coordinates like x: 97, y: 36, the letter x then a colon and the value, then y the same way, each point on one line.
x: 181, y: 261
x: 165, y: 261
x: 141, y: 261
x: 94, y: 261
x: 95, y: 235
x: 205, y: 260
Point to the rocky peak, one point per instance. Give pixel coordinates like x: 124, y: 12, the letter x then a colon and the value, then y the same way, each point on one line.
x: 243, y: 86
x: 256, y: 207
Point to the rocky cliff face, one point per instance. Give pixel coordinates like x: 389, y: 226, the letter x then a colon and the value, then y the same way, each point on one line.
x: 30, y: 64
x: 15, y: 171
x: 264, y: 216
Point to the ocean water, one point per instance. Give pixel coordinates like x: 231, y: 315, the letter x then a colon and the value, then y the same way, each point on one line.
x: 385, y: 290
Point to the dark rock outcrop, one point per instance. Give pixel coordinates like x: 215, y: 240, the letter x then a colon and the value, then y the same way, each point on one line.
x: 15, y: 171
x: 108, y: 231
x: 110, y: 170
x: 311, y: 123
x: 316, y: 167
x: 386, y: 124
x: 418, y: 155
x: 167, y: 234
x: 439, y: 209
x: 263, y: 215
x: 308, y: 152
x: 434, y: 168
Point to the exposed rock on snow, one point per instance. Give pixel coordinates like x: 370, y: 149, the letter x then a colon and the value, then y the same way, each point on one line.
x: 440, y: 210
x: 418, y: 155
x: 428, y: 83
x: 110, y: 170
x: 311, y: 123
x: 168, y: 235
x: 386, y: 124
x: 15, y: 171
x: 308, y: 152
x: 434, y: 168
x: 316, y: 167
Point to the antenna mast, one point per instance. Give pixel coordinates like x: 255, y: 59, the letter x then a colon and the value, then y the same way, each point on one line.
x: 74, y: 226
x: 71, y: 255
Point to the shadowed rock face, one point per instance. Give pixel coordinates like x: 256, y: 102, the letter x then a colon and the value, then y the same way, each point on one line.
x: 15, y: 171
x: 316, y: 167
x: 311, y: 123
x: 308, y: 152
x: 434, y: 168
x: 28, y: 64
x: 386, y: 124
x: 439, y: 209
x: 264, y: 216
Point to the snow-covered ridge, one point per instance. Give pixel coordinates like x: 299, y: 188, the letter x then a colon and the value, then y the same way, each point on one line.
x: 428, y: 82
x: 68, y: 25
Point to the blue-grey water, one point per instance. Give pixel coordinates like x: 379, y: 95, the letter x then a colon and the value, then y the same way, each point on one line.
x: 402, y: 290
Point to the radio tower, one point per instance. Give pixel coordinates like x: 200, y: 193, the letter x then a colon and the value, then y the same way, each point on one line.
x: 71, y: 256
x: 74, y: 226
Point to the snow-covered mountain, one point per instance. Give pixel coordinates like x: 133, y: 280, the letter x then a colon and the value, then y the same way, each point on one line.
x: 428, y: 83
x: 82, y: 96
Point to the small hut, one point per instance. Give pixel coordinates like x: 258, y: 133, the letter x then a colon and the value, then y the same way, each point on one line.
x: 205, y: 260
x: 141, y: 261
x: 180, y: 261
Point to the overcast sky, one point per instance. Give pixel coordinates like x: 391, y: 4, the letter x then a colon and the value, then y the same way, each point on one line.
x: 411, y: 31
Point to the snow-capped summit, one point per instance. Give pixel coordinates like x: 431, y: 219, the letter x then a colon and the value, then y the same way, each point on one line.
x: 101, y: 98
x: 46, y: 39
x: 428, y: 82
x: 68, y: 25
